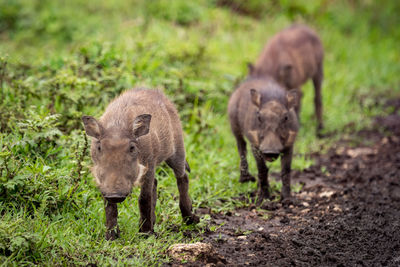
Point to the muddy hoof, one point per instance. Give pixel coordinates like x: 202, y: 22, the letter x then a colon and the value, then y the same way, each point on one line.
x: 261, y: 197
x: 112, y: 234
x: 287, y: 200
x: 193, y: 219
x: 146, y: 228
x: 247, y: 178
x: 285, y: 193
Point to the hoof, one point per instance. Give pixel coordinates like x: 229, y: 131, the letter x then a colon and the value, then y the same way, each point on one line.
x: 286, y: 197
x: 247, y: 178
x: 112, y: 234
x: 287, y: 202
x: 261, y: 196
x: 146, y: 230
x: 290, y: 201
x: 320, y: 133
x: 193, y: 219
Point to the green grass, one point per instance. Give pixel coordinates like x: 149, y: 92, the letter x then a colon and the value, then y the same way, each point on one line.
x: 62, y: 59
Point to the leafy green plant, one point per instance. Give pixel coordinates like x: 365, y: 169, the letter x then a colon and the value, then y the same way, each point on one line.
x: 16, y: 242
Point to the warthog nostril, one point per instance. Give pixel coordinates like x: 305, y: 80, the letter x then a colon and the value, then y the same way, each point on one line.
x: 114, y: 198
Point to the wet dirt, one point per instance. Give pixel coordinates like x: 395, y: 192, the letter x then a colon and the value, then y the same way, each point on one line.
x: 347, y: 213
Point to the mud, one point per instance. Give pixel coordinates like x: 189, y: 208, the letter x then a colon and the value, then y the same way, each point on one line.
x: 347, y: 213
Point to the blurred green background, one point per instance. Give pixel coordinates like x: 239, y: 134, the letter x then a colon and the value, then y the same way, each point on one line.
x: 62, y: 59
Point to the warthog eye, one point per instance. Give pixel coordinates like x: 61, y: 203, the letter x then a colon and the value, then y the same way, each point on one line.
x: 258, y: 117
x: 285, y: 118
x: 98, y: 147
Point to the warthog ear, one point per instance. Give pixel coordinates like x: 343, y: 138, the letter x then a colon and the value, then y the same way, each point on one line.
x: 292, y: 97
x: 92, y: 126
x: 255, y: 97
x: 141, y: 125
x: 250, y: 68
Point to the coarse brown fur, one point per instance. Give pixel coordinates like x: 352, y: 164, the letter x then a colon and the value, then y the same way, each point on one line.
x: 262, y: 111
x: 291, y: 57
x: 139, y: 130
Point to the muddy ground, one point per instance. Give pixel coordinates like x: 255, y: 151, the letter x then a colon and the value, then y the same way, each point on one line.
x: 347, y: 213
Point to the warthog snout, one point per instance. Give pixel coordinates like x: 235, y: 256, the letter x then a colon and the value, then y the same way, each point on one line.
x: 115, y: 197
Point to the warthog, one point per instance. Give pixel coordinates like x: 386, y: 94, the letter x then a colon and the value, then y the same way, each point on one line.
x: 292, y: 57
x: 263, y: 112
x: 139, y: 130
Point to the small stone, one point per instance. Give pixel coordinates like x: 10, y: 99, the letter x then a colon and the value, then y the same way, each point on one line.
x: 326, y: 194
x: 361, y: 151
x: 337, y: 208
x: 189, y: 252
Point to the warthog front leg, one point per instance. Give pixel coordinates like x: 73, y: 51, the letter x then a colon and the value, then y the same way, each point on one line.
x: 146, y: 202
x: 263, y: 184
x: 286, y: 162
x: 112, y: 231
x: 245, y: 176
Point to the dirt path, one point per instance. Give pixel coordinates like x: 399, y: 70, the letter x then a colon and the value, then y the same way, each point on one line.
x: 347, y: 214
